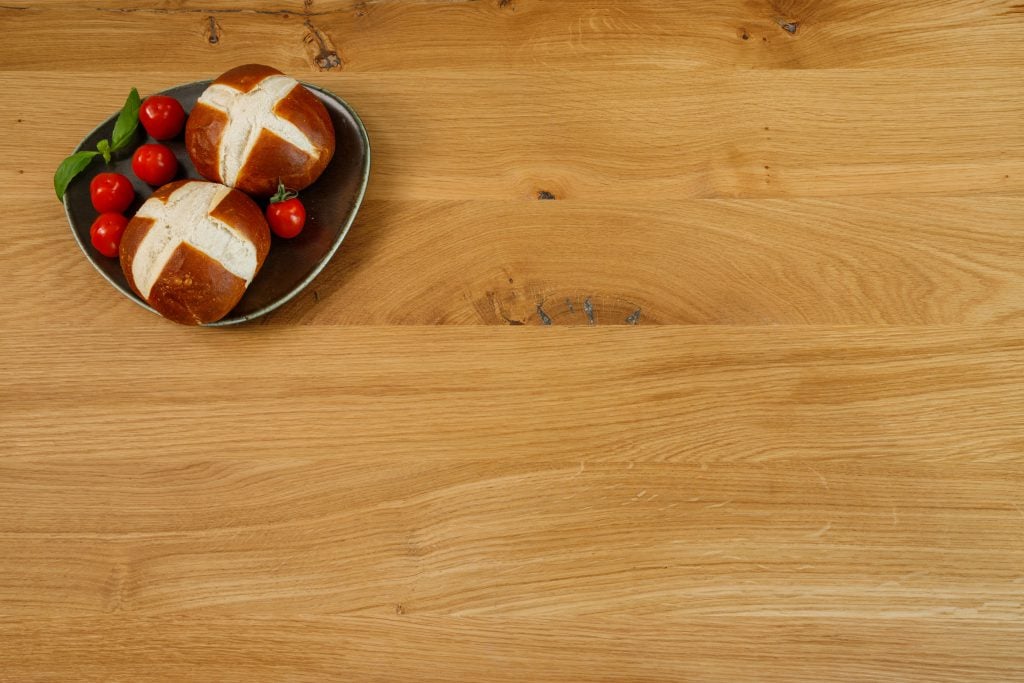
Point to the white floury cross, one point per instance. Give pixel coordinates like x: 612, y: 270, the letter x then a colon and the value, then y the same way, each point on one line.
x: 185, y: 219
x: 249, y: 114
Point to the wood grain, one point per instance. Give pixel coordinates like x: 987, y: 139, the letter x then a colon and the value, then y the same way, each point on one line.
x: 680, y: 393
x: 674, y: 342
x: 587, y: 35
x: 721, y: 262
x: 445, y: 229
x: 612, y: 134
x: 405, y: 648
x: 710, y: 487
x: 591, y: 539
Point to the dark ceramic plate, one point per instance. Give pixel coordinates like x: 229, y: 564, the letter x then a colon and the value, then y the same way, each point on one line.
x: 331, y: 206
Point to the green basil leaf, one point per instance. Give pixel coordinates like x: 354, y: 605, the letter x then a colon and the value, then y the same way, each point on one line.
x: 69, y: 168
x: 127, y: 120
x: 104, y: 148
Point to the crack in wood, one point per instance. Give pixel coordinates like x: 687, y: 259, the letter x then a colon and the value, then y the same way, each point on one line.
x: 789, y: 27
x: 499, y: 309
x: 510, y: 321
x: 588, y: 308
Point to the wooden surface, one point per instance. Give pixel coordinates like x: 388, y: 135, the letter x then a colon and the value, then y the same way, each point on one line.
x: 675, y: 341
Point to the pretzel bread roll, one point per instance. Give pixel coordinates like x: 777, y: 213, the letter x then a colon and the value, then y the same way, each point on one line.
x: 254, y: 126
x: 192, y: 249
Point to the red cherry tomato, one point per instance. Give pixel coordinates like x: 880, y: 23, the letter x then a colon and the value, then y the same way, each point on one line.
x: 111, y: 192
x: 106, y: 231
x: 154, y: 164
x: 162, y: 116
x: 286, y: 218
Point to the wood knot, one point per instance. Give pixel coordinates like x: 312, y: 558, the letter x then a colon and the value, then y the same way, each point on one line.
x: 212, y: 30
x: 320, y: 48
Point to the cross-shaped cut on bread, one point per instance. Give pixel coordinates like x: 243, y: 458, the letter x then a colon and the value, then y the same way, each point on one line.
x: 185, y: 219
x: 248, y: 115
x: 254, y: 128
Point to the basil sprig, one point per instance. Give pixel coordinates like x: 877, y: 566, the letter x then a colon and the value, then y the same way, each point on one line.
x: 127, y: 121
x: 124, y: 129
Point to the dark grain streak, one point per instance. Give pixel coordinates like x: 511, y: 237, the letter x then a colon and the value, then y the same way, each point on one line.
x: 186, y: 10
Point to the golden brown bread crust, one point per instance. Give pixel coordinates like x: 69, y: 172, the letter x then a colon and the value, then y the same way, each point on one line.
x: 246, y: 77
x: 165, y: 191
x: 130, y: 241
x: 272, y: 158
x: 202, y: 138
x: 192, y: 288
